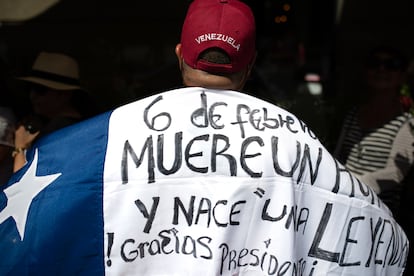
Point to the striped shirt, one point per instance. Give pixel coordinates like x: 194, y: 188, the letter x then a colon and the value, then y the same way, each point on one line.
x: 365, y: 151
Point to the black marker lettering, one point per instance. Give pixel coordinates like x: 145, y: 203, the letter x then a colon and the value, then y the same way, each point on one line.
x: 274, y: 123
x: 131, y: 255
x: 234, y: 211
x: 266, y: 216
x: 188, y: 155
x: 306, y: 156
x: 244, y: 156
x: 215, y: 153
x: 221, y: 202
x: 374, y: 233
x: 129, y: 150
x: 240, y: 122
x: 255, y: 122
x: 276, y: 166
x: 149, y: 216
x: 164, y: 116
x: 348, y: 240
x: 200, y: 113
x: 188, y: 214
x: 213, y: 117
x: 306, y: 129
x: 200, y: 241
x: 289, y: 121
x: 178, y: 154
x: 315, y: 250
x: 204, y: 210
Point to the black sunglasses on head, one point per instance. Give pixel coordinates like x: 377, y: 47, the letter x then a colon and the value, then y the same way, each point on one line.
x: 389, y: 64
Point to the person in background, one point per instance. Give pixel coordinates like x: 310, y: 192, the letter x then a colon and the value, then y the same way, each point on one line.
x: 57, y: 100
x: 7, y: 128
x: 376, y: 140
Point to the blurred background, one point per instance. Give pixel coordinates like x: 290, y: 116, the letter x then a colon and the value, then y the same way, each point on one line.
x: 309, y: 52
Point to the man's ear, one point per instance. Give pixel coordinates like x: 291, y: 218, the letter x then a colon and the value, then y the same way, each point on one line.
x: 179, y: 54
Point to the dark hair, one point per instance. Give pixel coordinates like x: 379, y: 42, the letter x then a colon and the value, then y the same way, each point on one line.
x: 215, y: 55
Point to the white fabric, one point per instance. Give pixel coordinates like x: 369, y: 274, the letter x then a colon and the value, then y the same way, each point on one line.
x: 286, y: 206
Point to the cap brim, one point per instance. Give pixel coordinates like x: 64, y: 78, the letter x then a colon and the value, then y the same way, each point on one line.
x: 21, y: 10
x: 51, y: 84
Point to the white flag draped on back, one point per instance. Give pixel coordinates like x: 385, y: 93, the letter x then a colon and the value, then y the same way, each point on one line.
x: 193, y: 182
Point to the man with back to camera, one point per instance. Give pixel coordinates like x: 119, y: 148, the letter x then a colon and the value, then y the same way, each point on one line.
x: 202, y: 180
x: 217, y: 56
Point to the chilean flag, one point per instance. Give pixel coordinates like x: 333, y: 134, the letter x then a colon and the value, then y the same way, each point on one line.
x: 192, y: 182
x: 52, y: 213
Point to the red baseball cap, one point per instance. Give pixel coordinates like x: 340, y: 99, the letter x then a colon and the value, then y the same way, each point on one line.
x: 225, y: 24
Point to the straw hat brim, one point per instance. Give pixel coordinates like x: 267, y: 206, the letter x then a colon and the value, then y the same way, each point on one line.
x: 51, y: 84
x: 21, y: 10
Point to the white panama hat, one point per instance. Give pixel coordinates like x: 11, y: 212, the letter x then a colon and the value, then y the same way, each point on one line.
x: 21, y: 10
x: 56, y: 71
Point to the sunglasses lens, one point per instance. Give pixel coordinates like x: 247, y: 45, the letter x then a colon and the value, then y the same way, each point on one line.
x: 390, y: 64
x: 39, y: 89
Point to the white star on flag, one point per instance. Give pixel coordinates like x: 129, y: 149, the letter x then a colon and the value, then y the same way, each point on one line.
x: 21, y: 194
